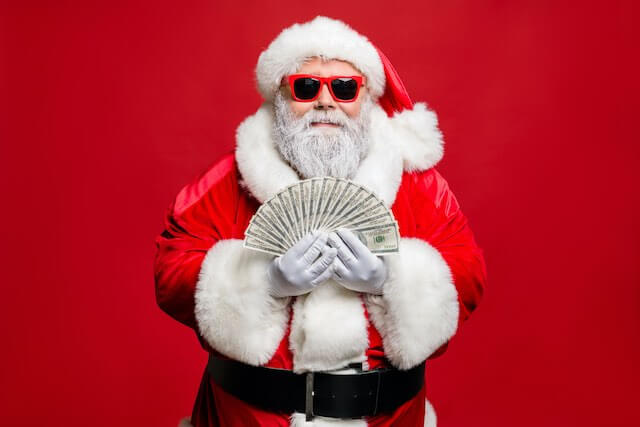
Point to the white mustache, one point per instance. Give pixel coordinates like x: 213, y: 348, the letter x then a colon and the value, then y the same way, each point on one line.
x: 317, y: 116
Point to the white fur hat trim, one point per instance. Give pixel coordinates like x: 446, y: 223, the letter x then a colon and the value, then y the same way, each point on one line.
x: 324, y: 37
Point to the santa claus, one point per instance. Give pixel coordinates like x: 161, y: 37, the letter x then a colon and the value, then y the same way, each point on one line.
x: 327, y: 333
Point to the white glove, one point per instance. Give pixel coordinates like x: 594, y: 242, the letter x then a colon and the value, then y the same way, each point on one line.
x: 300, y: 270
x: 355, y: 267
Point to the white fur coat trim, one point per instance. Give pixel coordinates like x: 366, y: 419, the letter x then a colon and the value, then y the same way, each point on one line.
x: 410, y: 140
x: 328, y: 329
x: 418, y: 311
x: 234, y: 311
x: 300, y: 420
x: 326, y: 37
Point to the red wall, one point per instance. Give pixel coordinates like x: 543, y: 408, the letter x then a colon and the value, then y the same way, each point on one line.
x: 109, y: 108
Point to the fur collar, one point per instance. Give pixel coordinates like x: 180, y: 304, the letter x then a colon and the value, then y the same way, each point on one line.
x: 408, y: 141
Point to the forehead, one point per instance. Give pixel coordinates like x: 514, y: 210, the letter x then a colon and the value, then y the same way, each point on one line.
x: 328, y: 67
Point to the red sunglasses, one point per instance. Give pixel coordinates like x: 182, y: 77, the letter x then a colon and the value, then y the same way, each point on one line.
x: 306, y: 87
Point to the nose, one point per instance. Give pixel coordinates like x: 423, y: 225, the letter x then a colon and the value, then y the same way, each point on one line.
x: 325, y: 101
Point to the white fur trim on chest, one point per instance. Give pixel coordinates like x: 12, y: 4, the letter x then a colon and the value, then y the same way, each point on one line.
x: 328, y: 329
x: 409, y: 140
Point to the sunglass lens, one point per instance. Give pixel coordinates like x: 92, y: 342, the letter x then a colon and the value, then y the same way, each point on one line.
x: 306, y: 87
x: 344, y: 88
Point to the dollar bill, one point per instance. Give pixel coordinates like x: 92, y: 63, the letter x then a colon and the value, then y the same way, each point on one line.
x: 350, y: 191
x: 314, y: 199
x: 322, y: 204
x: 325, y: 197
x: 261, y: 235
x: 337, y: 194
x: 287, y: 210
x: 251, y: 242
x: 265, y: 235
x: 383, y: 218
x: 272, y: 213
x: 370, y: 211
x: 365, y: 205
x: 296, y: 206
x: 304, y: 202
x: 380, y: 239
x: 273, y: 226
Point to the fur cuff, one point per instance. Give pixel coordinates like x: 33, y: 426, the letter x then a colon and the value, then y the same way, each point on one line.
x: 418, y: 311
x: 234, y: 311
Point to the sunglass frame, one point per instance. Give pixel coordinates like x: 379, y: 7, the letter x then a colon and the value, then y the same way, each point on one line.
x: 323, y: 80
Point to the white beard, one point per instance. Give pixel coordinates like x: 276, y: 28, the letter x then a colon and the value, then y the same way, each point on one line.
x: 322, y: 151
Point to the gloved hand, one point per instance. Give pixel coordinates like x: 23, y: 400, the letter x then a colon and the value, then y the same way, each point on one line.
x: 300, y: 270
x: 356, y: 267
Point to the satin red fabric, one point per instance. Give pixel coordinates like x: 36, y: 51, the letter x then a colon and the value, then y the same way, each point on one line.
x: 215, y: 207
x: 395, y: 97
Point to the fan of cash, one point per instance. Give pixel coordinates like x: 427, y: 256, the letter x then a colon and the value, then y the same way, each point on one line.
x: 322, y: 204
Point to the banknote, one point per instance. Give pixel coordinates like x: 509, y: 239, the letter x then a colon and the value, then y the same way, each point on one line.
x: 347, y: 197
x: 368, y: 210
x: 314, y: 199
x: 265, y: 236
x: 365, y: 205
x: 296, y: 205
x: 251, y: 242
x: 325, y: 197
x: 324, y: 204
x: 304, y: 202
x: 382, y: 218
x: 271, y: 211
x: 282, y: 200
x: 273, y: 230
x: 334, y: 197
x: 380, y: 239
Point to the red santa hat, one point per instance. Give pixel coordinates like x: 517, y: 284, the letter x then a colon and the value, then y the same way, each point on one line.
x: 415, y: 126
x: 331, y: 39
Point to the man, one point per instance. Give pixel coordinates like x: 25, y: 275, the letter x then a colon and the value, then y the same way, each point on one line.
x: 346, y: 331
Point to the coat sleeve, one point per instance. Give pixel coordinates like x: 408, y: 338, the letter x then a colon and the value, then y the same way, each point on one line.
x: 435, y: 281
x: 440, y: 222
x: 205, y: 277
x: 444, y: 226
x: 193, y: 223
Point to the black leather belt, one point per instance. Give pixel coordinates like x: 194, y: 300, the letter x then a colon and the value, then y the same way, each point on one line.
x: 366, y: 393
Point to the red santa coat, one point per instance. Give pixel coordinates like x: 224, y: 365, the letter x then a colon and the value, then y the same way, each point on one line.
x: 208, y: 281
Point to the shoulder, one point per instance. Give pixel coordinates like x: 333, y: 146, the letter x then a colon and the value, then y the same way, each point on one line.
x: 219, y: 176
x: 430, y: 186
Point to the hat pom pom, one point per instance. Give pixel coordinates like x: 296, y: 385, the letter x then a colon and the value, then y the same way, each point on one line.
x: 420, y: 140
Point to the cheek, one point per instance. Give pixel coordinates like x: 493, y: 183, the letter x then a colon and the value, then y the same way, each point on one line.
x: 300, y: 108
x: 351, y: 109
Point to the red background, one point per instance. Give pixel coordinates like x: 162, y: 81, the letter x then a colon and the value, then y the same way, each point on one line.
x: 109, y: 108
